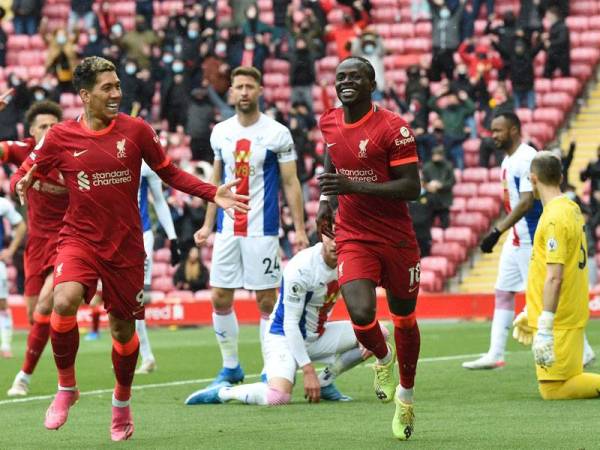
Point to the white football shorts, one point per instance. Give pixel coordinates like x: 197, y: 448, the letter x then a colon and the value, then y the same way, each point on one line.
x: 513, y: 267
x: 245, y: 262
x: 338, y: 338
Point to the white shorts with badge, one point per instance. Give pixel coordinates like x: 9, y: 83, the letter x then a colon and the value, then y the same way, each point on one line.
x: 513, y: 267
x: 245, y: 262
x: 149, y: 249
x: 338, y: 338
x: 3, y: 281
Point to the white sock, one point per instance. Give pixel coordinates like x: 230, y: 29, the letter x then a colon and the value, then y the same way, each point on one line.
x: 342, y: 363
x: 251, y: 394
x: 145, y: 349
x: 24, y: 377
x: 119, y: 403
x: 6, y: 329
x: 501, y: 324
x: 406, y: 395
x: 227, y: 332
x: 387, y: 357
x: 67, y: 388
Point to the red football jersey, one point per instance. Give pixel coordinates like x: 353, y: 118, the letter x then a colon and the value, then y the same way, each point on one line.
x: 101, y: 170
x: 364, y: 151
x: 47, y: 200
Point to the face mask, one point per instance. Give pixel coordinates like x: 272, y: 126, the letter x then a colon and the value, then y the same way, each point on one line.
x: 369, y: 49
x: 167, y: 59
x: 570, y: 195
x: 192, y: 34
x: 178, y: 68
x: 15, y: 81
x: 220, y: 49
x: 177, y: 49
x: 251, y: 14
x: 444, y: 13
x: 249, y: 46
x: 61, y: 39
x: 39, y: 96
x: 116, y: 29
x: 130, y: 69
x: 93, y: 38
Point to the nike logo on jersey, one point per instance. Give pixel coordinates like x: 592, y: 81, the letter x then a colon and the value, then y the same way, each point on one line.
x: 331, y: 145
x: 76, y: 154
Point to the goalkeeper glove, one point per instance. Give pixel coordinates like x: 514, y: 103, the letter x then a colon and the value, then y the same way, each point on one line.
x: 522, y: 332
x: 175, y: 252
x: 487, y: 245
x: 543, y: 342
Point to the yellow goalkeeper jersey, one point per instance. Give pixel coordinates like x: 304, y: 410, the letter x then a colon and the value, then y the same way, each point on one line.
x: 560, y: 239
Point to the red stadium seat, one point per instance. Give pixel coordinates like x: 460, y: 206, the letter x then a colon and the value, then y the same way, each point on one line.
x: 475, y: 175
x: 486, y: 205
x: 459, y: 204
x: 492, y: 189
x: 570, y: 85
x: 583, y: 8
x: 589, y: 39
x: 464, y: 190
x: 471, y: 146
x: 585, y: 55
x: 496, y: 174
x: 583, y: 72
x: 402, y: 30
x: 462, y: 235
x: 159, y: 269
x: 551, y: 116
x: 594, y: 22
x: 162, y: 255
x: 577, y: 23
x: 439, y: 265
x: 479, y: 222
x: 458, y: 175
x: 437, y: 234
x: 525, y: 115
x: 423, y: 29
x: 163, y: 284
x: 454, y: 251
x: 542, y: 85
x: 430, y: 282
x: 560, y: 100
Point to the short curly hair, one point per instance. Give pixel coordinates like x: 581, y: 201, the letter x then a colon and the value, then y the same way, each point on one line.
x: 84, y: 76
x: 43, y: 107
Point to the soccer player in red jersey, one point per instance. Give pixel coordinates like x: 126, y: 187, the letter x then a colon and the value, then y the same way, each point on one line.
x: 100, y: 156
x: 48, y: 201
x: 372, y: 166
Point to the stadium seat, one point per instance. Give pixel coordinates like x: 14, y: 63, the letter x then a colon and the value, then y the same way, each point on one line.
x: 594, y: 22
x: 464, y: 190
x: 495, y: 174
x: 163, y: 284
x: 423, y: 29
x: 459, y: 204
x: 583, y: 72
x: 570, y: 85
x: 159, y: 269
x: 590, y: 39
x: 472, y: 146
x: 462, y: 235
x: 454, y: 251
x: 577, y: 23
x: 430, y: 282
x: 478, y: 221
x: 542, y: 85
x: 475, y: 175
x: 583, y: 8
x: 585, y: 55
x: 437, y: 264
x: 525, y: 115
x: 492, y: 189
x: 403, y: 30
x: 162, y: 255
x: 184, y: 296
x: 437, y: 234
x: 551, y: 116
x: 487, y: 205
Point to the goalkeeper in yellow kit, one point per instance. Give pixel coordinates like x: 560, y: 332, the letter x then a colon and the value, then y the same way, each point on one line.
x: 557, y: 290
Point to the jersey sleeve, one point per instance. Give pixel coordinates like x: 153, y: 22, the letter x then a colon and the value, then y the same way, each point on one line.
x: 285, y: 147
x: 152, y: 150
x: 44, y: 156
x: 14, y: 152
x: 293, y: 298
x: 556, y: 240
x: 215, y: 143
x: 8, y: 210
x: 402, y: 144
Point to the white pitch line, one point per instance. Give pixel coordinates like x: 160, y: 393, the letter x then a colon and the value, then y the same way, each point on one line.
x: 140, y: 387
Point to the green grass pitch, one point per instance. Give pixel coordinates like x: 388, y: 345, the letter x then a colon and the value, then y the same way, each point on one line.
x: 455, y: 408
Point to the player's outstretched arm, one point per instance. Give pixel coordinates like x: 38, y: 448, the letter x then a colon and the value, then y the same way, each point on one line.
x: 227, y: 199
x: 201, y: 236
x: 406, y: 184
x: 293, y: 194
x: 524, y: 205
x: 21, y: 181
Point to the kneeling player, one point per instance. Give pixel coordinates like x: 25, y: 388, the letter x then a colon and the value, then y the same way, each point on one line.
x: 557, y: 290
x: 298, y: 334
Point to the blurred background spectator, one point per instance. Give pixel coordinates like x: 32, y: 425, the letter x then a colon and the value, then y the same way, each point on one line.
x: 370, y: 46
x: 557, y: 44
x: 191, y: 274
x: 421, y: 213
x: 81, y: 11
x: 438, y: 177
x: 27, y: 14
x: 446, y: 26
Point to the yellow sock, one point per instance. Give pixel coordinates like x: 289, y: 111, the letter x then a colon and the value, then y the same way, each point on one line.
x: 586, y: 385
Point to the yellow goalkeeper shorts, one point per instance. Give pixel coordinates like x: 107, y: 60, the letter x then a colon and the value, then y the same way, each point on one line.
x: 568, y: 352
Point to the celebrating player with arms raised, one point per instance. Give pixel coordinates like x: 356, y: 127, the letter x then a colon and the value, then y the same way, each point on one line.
x: 371, y: 165
x: 100, y: 156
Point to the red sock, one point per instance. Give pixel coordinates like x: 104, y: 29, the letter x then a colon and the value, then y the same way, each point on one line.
x: 64, y: 335
x: 36, y: 342
x: 371, y: 338
x: 95, y: 319
x: 124, y: 357
x: 408, y: 344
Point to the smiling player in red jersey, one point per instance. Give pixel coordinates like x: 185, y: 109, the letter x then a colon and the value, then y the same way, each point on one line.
x: 48, y: 201
x: 100, y: 156
x: 371, y: 164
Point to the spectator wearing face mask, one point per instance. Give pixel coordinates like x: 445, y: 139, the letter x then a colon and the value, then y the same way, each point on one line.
x: 302, y: 71
x: 479, y: 60
x: 503, y: 40
x: 61, y: 58
x: 26, y: 16
x: 343, y: 34
x: 239, y: 11
x: 39, y: 93
x: 438, y: 176
x: 215, y: 68
x: 175, y: 96
x: 81, y: 10
x: 106, y: 17
x: 200, y: 118
x: 370, y: 46
x: 557, y: 45
x: 130, y: 87
x: 190, y: 43
x: 136, y: 44
x: 417, y: 94
x: 253, y: 26
x: 445, y: 37
x: 309, y: 29
x: 522, y: 71
x: 427, y: 141
x: 95, y: 45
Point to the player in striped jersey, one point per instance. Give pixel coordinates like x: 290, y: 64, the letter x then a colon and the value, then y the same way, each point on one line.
x: 298, y: 334
x: 259, y: 151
